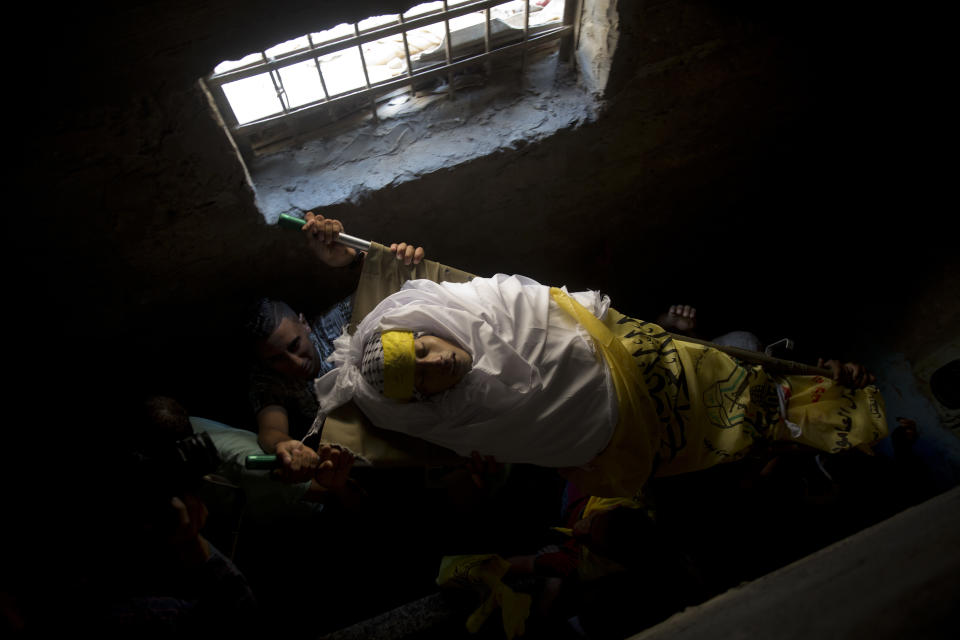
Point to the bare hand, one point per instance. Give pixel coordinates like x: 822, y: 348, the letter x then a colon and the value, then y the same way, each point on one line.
x: 680, y: 318
x: 299, y: 461
x: 407, y: 252
x: 849, y: 374
x: 334, y: 467
x: 322, y: 234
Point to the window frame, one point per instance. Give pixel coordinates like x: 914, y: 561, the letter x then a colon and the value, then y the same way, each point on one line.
x: 340, y: 105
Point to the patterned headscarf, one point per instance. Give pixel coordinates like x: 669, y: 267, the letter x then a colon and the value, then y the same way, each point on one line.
x: 388, y: 364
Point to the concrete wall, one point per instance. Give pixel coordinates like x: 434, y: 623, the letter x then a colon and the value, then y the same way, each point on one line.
x: 742, y: 162
x: 897, y: 579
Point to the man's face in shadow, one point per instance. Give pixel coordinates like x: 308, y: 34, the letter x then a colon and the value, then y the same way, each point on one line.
x: 289, y: 350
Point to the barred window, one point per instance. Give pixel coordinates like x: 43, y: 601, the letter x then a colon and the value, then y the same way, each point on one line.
x: 320, y: 77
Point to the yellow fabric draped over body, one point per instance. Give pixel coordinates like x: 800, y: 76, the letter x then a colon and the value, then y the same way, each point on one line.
x: 685, y: 406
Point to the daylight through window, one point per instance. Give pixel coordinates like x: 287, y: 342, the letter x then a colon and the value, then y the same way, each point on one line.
x: 327, y: 74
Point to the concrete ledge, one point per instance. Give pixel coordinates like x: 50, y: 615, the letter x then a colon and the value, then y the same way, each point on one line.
x: 422, y: 135
x: 897, y: 579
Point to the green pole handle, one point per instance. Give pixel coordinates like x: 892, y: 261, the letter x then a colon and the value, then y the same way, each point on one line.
x: 262, y: 462
x: 291, y: 222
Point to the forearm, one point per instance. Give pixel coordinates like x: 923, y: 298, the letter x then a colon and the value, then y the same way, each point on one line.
x: 297, y: 461
x: 272, y: 427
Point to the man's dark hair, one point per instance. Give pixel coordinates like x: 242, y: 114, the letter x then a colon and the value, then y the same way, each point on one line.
x: 265, y: 316
x: 165, y: 419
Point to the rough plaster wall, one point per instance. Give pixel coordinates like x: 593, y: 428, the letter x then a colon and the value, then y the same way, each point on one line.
x: 599, y: 30
x: 729, y: 138
x: 146, y: 239
x: 897, y: 579
x: 421, y: 135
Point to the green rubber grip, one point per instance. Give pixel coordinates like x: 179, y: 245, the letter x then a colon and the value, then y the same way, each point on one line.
x: 291, y: 222
x: 262, y: 462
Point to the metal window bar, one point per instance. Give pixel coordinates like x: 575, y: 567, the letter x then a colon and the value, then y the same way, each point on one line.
x: 315, y: 52
x: 366, y: 74
x: 448, y: 47
x: 486, y: 39
x: 377, y: 33
x: 281, y: 92
x: 526, y: 34
x: 572, y: 14
x: 316, y: 63
x: 406, y: 50
x: 396, y: 83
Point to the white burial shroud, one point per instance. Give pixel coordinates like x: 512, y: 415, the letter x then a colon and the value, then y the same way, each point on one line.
x: 538, y: 391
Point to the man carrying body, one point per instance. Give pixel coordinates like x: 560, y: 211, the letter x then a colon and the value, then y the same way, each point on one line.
x: 532, y: 374
x: 291, y: 352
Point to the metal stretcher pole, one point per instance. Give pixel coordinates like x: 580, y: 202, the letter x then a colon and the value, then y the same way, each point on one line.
x: 776, y: 365
x: 770, y: 363
x: 351, y: 241
x: 267, y: 462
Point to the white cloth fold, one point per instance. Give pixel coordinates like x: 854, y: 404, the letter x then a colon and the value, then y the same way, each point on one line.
x: 537, y: 391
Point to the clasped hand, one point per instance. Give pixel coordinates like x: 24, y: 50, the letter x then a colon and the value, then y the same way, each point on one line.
x: 329, y: 466
x: 849, y: 374
x: 322, y: 234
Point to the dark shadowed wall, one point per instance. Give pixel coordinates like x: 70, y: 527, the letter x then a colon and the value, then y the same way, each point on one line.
x: 778, y: 165
x: 747, y: 161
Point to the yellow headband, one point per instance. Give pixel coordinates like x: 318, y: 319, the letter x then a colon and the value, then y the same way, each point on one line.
x: 399, y: 361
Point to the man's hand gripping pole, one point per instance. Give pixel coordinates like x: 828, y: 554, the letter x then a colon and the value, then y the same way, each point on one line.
x: 344, y: 239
